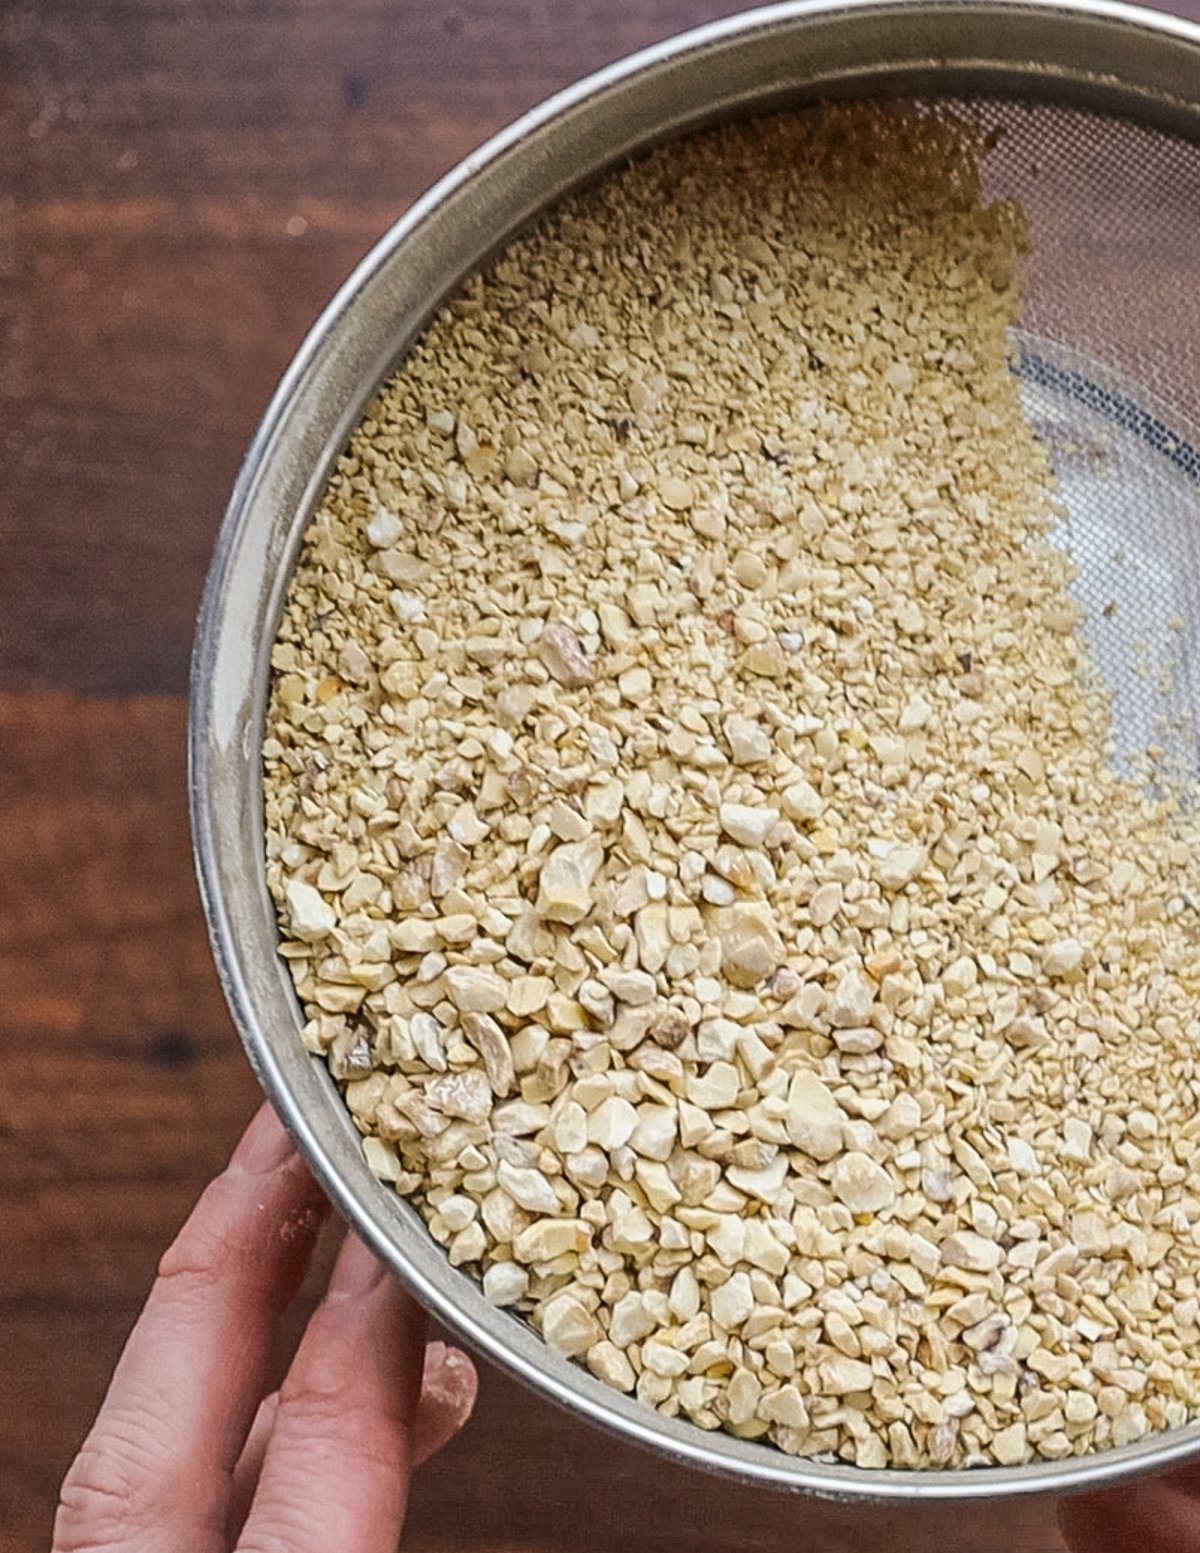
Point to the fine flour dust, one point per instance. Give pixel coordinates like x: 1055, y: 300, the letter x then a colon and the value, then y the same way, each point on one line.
x: 690, y: 816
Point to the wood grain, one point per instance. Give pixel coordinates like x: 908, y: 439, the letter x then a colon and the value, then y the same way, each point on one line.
x: 184, y: 183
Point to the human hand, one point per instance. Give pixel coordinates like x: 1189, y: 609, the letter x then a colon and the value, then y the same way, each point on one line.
x: 1152, y: 1515
x: 188, y: 1455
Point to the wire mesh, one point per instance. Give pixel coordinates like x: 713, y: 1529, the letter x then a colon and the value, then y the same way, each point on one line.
x: 1109, y: 362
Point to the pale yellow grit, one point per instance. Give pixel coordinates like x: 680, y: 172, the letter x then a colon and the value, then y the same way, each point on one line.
x: 689, y: 814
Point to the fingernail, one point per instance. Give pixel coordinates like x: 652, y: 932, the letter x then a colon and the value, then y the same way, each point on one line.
x: 356, y: 1271
x: 450, y: 1378
x: 264, y: 1145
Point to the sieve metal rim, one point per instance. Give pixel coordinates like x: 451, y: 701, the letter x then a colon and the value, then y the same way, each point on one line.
x: 1103, y: 54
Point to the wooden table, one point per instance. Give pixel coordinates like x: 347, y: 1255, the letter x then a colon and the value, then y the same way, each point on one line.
x: 184, y: 183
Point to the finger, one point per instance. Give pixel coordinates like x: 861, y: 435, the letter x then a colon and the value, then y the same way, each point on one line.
x: 1153, y: 1515
x: 448, y: 1389
x: 156, y: 1469
x: 337, y: 1466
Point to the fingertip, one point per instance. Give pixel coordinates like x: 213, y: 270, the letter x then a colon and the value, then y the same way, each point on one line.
x: 264, y: 1146
x: 1153, y: 1515
x: 449, y: 1387
x: 451, y: 1376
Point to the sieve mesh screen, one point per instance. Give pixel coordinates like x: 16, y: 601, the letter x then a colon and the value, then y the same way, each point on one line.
x: 1109, y: 362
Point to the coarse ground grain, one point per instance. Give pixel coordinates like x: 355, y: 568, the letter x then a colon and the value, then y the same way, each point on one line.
x: 695, y: 848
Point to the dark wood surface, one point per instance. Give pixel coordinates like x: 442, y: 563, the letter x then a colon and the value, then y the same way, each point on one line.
x: 182, y: 185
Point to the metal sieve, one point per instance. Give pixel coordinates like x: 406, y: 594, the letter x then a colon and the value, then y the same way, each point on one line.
x: 1096, y: 114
